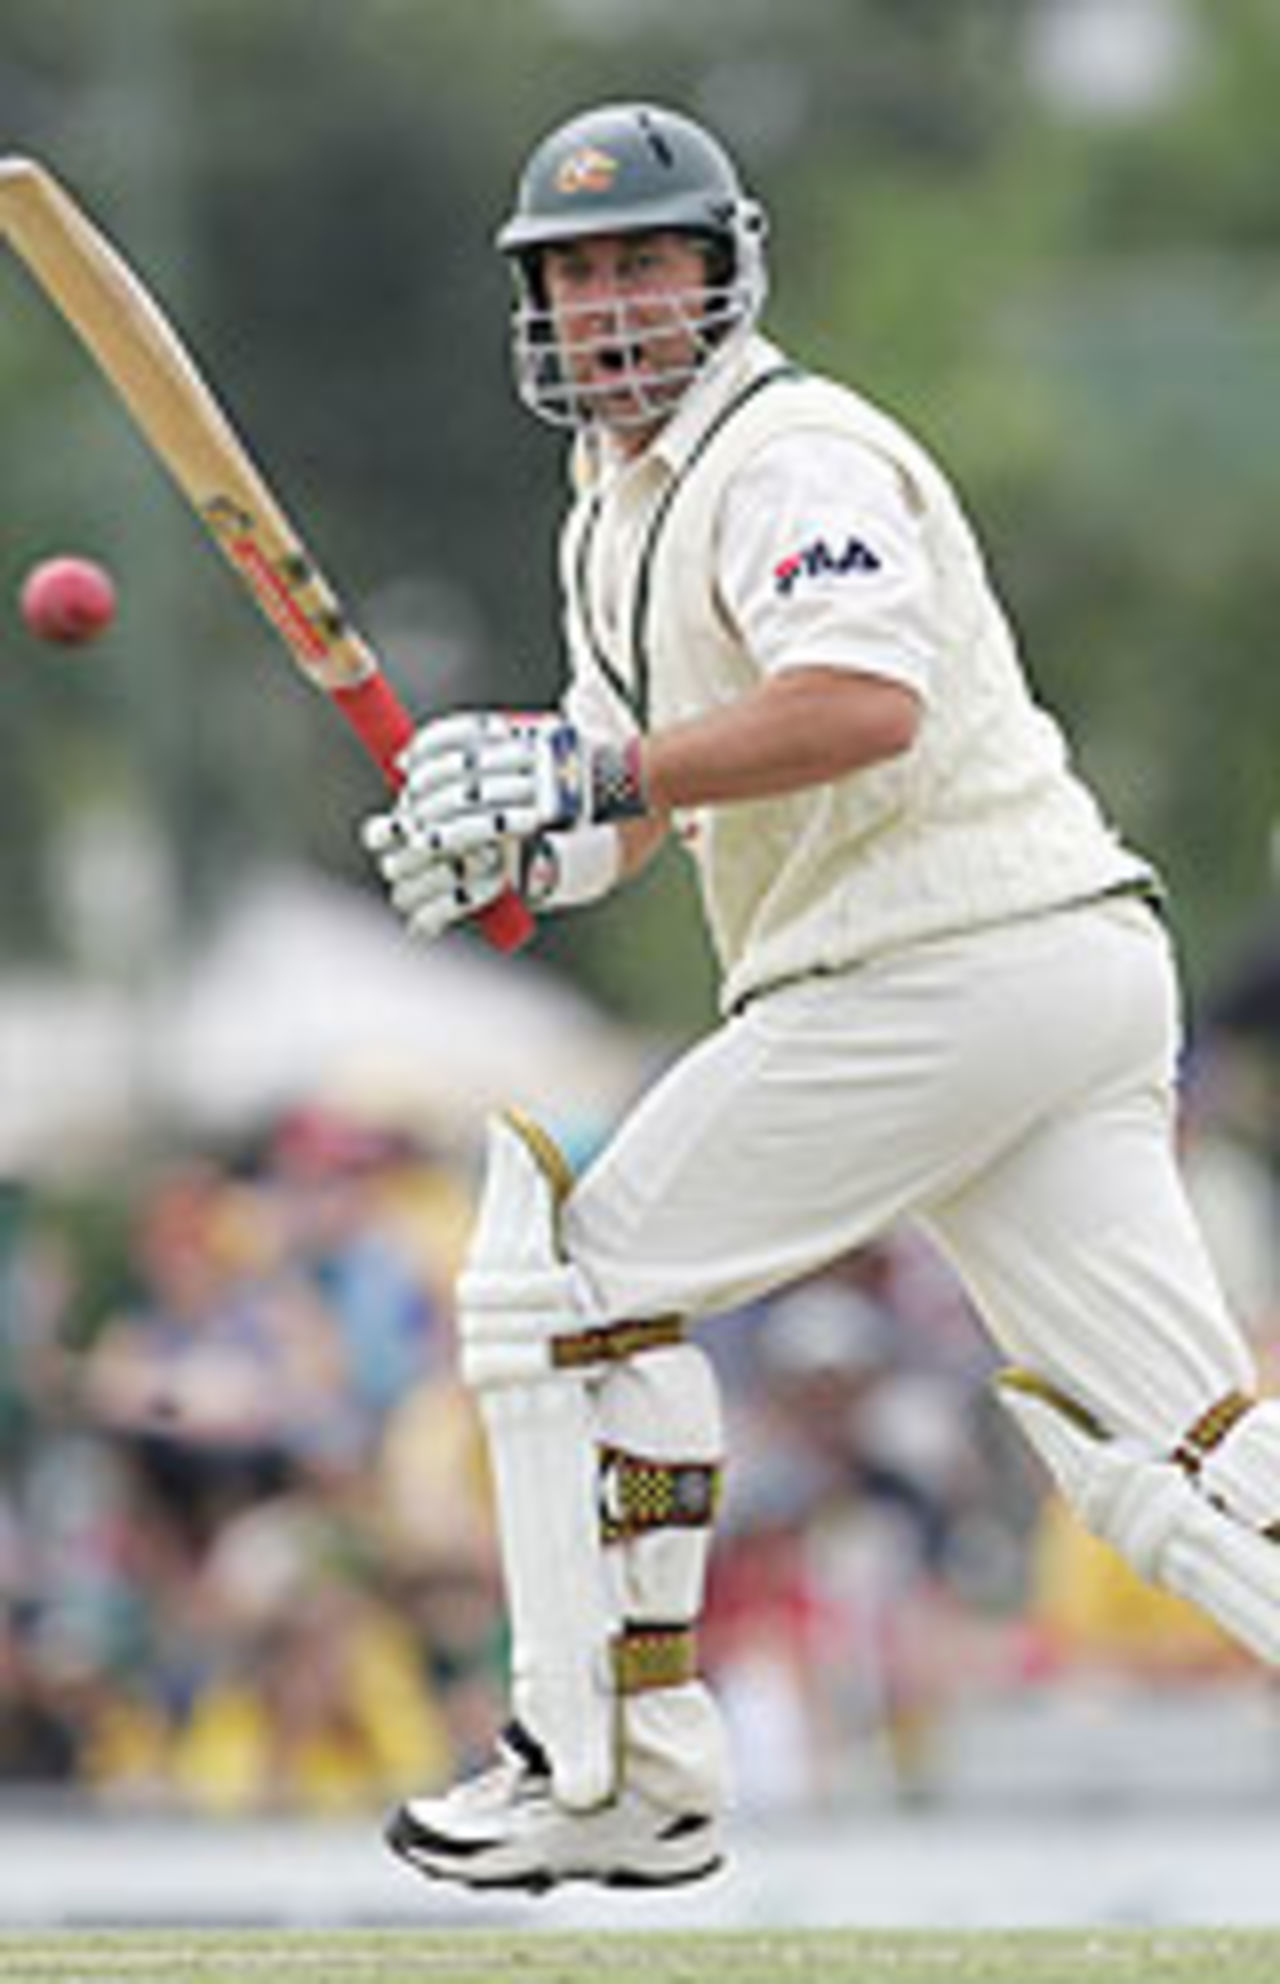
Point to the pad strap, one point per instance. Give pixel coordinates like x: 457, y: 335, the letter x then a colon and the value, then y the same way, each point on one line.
x: 611, y: 1343
x: 654, y: 1656
x: 1207, y: 1434
x: 1211, y: 1429
x: 1199, y: 1441
x: 638, y: 1495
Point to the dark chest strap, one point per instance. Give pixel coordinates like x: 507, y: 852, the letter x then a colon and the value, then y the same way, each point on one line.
x: 634, y: 692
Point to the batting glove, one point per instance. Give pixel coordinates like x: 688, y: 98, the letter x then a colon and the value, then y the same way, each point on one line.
x: 430, y: 890
x: 482, y: 775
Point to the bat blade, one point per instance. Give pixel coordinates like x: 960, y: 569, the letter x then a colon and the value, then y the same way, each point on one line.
x: 138, y: 350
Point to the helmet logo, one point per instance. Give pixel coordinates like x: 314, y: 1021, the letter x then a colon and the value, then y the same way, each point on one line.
x: 587, y: 170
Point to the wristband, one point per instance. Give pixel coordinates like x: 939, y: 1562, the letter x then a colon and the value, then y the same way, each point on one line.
x: 617, y: 782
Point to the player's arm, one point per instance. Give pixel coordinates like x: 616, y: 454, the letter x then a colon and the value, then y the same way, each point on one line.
x: 484, y: 774
x: 807, y: 725
x: 492, y: 803
x: 842, y: 634
x: 822, y: 568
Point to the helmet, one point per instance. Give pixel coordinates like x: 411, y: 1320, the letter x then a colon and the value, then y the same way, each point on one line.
x: 631, y: 168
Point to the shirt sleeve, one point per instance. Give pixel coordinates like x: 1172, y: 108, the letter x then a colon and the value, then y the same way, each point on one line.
x: 597, y: 712
x: 821, y: 561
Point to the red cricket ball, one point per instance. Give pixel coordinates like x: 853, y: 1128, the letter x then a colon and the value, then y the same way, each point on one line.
x: 69, y: 600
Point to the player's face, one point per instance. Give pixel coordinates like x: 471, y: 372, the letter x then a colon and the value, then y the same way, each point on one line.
x: 627, y: 310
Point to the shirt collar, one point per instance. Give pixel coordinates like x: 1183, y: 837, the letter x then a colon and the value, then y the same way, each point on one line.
x: 675, y: 442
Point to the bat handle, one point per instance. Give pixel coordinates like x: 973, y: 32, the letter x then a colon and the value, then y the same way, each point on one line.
x: 384, y: 726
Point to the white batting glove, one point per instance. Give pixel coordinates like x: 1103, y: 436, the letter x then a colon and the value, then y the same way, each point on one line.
x: 430, y: 890
x: 483, y: 775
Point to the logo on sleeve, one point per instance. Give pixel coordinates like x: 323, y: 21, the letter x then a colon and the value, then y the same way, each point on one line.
x: 816, y: 560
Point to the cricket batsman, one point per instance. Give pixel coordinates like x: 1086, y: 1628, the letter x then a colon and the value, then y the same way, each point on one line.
x: 947, y: 995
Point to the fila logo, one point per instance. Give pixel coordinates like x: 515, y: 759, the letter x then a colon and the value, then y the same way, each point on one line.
x: 818, y: 558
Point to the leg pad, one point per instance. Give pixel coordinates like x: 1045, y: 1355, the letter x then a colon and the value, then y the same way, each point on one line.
x: 1197, y: 1529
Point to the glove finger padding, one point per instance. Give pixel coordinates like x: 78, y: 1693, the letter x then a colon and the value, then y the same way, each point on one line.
x: 470, y: 832
x: 506, y: 753
x: 460, y: 735
x: 432, y: 890
x: 471, y: 779
x: 453, y: 820
x: 517, y: 775
x: 452, y: 889
x: 380, y: 834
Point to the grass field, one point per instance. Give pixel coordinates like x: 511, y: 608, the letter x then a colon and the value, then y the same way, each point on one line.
x: 1113, y: 1956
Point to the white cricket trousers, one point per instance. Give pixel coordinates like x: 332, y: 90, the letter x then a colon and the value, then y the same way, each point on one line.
x: 1012, y: 1089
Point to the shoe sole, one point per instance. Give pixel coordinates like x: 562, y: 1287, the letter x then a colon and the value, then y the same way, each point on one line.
x: 399, y: 1836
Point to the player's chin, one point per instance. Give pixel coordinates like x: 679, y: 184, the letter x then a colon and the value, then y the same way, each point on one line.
x: 627, y: 404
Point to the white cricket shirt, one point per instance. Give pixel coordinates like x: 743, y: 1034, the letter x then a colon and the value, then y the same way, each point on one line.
x: 778, y: 520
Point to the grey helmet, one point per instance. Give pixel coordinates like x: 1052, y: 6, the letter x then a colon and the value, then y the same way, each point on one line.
x: 631, y: 168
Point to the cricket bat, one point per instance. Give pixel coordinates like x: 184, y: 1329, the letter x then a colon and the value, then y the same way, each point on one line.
x: 144, y: 359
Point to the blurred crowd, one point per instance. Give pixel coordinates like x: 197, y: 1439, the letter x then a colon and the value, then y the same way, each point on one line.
x: 243, y: 1540
x: 246, y: 1559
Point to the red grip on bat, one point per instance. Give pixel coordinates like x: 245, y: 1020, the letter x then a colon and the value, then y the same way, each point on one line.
x: 384, y: 726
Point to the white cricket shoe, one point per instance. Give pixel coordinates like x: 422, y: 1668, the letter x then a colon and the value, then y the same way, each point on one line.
x: 504, y: 1830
